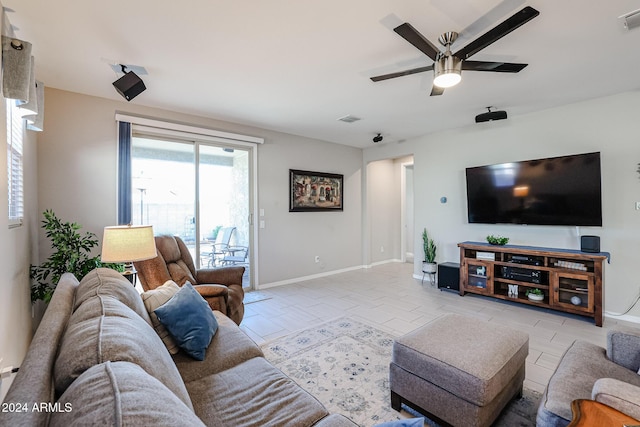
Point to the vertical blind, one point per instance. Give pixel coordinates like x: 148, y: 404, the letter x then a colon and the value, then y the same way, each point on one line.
x: 15, y: 133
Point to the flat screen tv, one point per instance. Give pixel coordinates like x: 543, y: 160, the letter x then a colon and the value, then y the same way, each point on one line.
x: 554, y: 191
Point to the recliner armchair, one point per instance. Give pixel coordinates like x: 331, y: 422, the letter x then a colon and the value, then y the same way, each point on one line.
x: 220, y: 287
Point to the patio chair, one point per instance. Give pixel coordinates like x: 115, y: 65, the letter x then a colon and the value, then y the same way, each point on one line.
x: 220, y: 287
x: 236, y: 255
x: 220, y: 247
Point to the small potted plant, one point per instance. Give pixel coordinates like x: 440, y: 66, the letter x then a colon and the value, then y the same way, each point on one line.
x: 535, y: 294
x: 429, y: 248
x: 497, y: 240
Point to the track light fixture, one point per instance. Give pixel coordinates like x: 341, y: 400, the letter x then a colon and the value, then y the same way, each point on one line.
x: 129, y: 85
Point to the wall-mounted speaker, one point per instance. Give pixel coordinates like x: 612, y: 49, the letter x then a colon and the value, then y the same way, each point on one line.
x: 129, y: 85
x: 590, y: 244
x: 490, y: 116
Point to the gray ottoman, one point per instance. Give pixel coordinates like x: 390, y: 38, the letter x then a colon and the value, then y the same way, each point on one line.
x: 458, y: 370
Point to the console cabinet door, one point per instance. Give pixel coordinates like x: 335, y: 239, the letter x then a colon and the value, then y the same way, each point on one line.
x: 479, y: 277
x: 573, y: 291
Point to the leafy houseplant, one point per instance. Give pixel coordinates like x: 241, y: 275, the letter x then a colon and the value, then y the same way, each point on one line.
x: 429, y: 248
x: 497, y: 240
x: 71, y: 253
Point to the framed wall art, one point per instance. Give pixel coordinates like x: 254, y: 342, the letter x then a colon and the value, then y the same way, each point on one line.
x: 315, y: 191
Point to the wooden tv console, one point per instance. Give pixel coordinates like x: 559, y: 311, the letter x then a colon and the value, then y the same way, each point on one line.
x: 570, y: 280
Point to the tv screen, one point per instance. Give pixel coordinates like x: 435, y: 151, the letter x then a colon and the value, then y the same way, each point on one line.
x: 554, y: 191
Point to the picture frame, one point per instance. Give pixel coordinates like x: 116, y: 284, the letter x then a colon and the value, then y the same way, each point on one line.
x: 315, y: 191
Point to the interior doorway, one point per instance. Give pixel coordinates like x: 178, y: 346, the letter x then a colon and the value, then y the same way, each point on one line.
x: 407, y: 221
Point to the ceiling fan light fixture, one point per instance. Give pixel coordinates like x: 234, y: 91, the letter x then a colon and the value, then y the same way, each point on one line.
x: 447, y: 71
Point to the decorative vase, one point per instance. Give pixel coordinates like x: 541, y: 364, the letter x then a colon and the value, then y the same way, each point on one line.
x: 576, y: 300
x: 428, y: 267
x: 535, y: 297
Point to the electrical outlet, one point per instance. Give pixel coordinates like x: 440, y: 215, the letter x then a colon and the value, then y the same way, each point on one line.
x: 638, y: 206
x: 381, y: 249
x: 317, y: 259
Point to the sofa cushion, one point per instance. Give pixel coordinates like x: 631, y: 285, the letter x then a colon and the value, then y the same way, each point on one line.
x: 108, y: 282
x: 189, y: 320
x: 262, y: 395
x: 155, y: 298
x: 118, y: 335
x: 230, y: 346
x: 119, y: 394
x: 620, y: 395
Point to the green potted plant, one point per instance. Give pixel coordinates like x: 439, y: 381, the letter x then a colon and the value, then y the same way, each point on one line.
x: 429, y: 248
x: 535, y: 294
x: 497, y: 240
x: 71, y: 253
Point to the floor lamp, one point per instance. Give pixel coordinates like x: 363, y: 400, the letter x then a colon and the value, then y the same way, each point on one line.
x: 126, y: 244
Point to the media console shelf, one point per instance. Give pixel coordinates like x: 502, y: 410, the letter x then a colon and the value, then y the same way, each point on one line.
x: 570, y: 280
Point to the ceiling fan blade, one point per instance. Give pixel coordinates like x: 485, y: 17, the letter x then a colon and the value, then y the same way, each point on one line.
x: 402, y: 73
x: 498, y: 67
x: 410, y: 34
x: 496, y: 33
x: 480, y: 25
x: 436, y: 91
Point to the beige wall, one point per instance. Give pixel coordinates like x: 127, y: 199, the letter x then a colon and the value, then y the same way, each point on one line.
x: 608, y: 125
x: 16, y: 251
x: 77, y: 179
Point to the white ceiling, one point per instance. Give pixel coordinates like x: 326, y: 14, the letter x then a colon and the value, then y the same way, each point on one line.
x: 297, y: 66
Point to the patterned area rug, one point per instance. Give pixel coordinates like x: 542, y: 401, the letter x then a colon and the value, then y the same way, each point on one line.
x: 345, y: 364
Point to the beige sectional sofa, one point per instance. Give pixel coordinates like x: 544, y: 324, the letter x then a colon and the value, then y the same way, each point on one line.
x: 96, y: 360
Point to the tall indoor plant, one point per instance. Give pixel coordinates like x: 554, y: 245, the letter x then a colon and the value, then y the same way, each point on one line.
x: 429, y: 248
x: 71, y: 253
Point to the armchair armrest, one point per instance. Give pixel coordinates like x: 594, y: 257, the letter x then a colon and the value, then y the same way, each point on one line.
x: 223, y: 275
x: 623, y: 348
x: 622, y: 396
x: 212, y: 291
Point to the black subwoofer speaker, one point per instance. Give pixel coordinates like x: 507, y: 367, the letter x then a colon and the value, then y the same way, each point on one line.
x: 449, y: 276
x: 590, y: 244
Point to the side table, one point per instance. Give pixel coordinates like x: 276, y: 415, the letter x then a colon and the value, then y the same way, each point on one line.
x: 587, y: 413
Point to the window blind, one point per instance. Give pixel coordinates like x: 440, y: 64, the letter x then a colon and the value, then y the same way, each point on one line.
x: 15, y: 134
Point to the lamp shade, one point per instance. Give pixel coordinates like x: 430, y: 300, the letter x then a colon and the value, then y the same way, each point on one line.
x: 128, y: 243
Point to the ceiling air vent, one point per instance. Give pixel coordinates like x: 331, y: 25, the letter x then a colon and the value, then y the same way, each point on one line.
x: 349, y: 119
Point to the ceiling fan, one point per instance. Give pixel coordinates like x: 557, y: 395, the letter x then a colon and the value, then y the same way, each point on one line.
x: 448, y: 66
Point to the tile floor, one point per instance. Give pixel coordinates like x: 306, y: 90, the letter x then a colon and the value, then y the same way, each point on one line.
x: 388, y: 297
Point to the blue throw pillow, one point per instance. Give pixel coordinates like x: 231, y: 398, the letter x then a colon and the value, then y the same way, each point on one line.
x: 409, y: 422
x: 189, y: 320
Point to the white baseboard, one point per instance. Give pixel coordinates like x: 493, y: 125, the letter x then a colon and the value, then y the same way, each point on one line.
x: 305, y: 278
x: 623, y: 317
x: 324, y: 274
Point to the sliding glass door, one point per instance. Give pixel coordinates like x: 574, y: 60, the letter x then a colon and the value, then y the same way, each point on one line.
x: 198, y: 191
